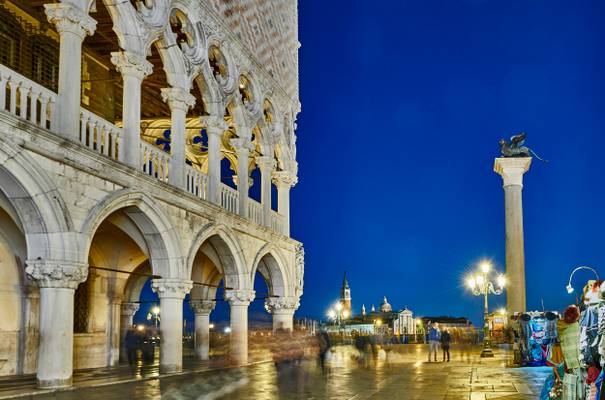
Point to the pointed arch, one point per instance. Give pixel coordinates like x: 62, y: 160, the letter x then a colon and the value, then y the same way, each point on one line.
x: 160, y: 236
x: 228, y: 250
x: 271, y: 264
x: 38, y: 204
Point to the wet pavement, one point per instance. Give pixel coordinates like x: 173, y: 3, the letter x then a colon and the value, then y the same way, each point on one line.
x: 399, y: 373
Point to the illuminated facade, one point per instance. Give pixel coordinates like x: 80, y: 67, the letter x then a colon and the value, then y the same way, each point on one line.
x: 146, y: 166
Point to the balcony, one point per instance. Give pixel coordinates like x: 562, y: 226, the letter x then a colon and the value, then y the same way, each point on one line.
x: 30, y: 101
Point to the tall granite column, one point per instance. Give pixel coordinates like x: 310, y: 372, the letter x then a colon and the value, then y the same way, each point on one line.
x: 512, y: 170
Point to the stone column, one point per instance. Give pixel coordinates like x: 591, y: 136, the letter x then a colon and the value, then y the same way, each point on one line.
x: 202, y: 310
x: 282, y: 309
x: 239, y: 300
x: 57, y: 282
x: 215, y: 127
x: 171, y: 293
x: 73, y: 24
x: 134, y: 68
x: 113, y: 331
x: 512, y: 170
x: 127, y: 312
x: 266, y: 165
x: 179, y: 101
x: 284, y: 181
x: 242, y: 147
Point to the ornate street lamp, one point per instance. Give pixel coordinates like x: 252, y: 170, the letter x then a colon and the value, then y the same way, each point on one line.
x: 481, y: 285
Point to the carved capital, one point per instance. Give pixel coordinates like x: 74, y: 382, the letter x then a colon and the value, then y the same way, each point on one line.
x: 202, y: 307
x: 69, y: 18
x: 178, y: 98
x: 129, y: 309
x: 284, y: 178
x: 265, y: 163
x: 239, y: 297
x: 512, y: 169
x: 171, y: 288
x: 214, y: 125
x: 56, y: 274
x: 242, y: 145
x: 277, y: 305
x: 131, y: 64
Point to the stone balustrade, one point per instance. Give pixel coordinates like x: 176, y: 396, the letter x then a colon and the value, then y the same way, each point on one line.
x: 26, y: 99
x: 197, y: 182
x: 229, y: 198
x: 255, y: 211
x: 99, y: 134
x: 154, y: 161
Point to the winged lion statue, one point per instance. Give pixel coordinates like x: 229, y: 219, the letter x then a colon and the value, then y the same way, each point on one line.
x: 516, y: 147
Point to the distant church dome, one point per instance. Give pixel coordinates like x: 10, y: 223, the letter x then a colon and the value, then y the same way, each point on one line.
x: 385, y: 306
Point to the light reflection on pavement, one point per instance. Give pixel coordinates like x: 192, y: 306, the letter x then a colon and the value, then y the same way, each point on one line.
x: 402, y: 374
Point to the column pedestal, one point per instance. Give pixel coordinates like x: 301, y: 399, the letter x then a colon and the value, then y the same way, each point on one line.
x: 512, y: 170
x: 171, y: 293
x: 73, y: 25
x: 202, y: 310
x: 55, y: 351
x: 239, y: 300
x: 134, y: 68
x: 179, y: 101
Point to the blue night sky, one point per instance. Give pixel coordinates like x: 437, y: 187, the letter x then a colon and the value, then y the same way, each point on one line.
x: 402, y: 108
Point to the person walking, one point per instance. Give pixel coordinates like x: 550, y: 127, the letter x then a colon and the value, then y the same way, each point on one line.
x: 434, y: 337
x: 446, y: 339
x: 132, y: 340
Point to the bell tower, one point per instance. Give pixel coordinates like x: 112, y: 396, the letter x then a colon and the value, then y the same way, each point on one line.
x: 345, y: 295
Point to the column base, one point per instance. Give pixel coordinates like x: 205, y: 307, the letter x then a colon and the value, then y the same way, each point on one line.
x: 171, y: 369
x: 54, y: 383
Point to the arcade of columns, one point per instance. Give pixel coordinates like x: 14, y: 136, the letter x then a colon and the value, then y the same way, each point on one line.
x: 68, y: 211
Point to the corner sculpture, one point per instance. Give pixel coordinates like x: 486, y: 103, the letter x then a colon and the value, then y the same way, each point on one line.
x: 516, y: 149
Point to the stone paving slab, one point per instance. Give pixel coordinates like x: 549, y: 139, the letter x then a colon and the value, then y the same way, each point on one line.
x: 390, y: 378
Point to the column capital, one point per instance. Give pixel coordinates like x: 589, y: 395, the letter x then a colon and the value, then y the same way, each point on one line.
x: 202, y: 307
x: 178, y: 98
x: 214, y: 125
x: 285, y: 178
x: 242, y: 145
x: 281, y: 305
x: 129, y: 309
x: 56, y: 274
x: 512, y: 169
x: 239, y: 297
x: 131, y: 64
x: 69, y: 18
x: 171, y: 288
x: 265, y: 163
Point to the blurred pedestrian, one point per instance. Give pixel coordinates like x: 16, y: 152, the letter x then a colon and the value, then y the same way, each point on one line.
x: 324, y: 347
x: 132, y: 341
x: 446, y: 339
x: 434, y: 337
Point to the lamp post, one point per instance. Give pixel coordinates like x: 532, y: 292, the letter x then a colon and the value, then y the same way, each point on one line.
x: 569, y: 287
x: 481, y: 285
x: 156, y: 314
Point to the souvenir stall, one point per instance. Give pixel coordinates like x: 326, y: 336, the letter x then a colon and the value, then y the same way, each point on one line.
x: 577, y: 356
x: 537, y: 333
